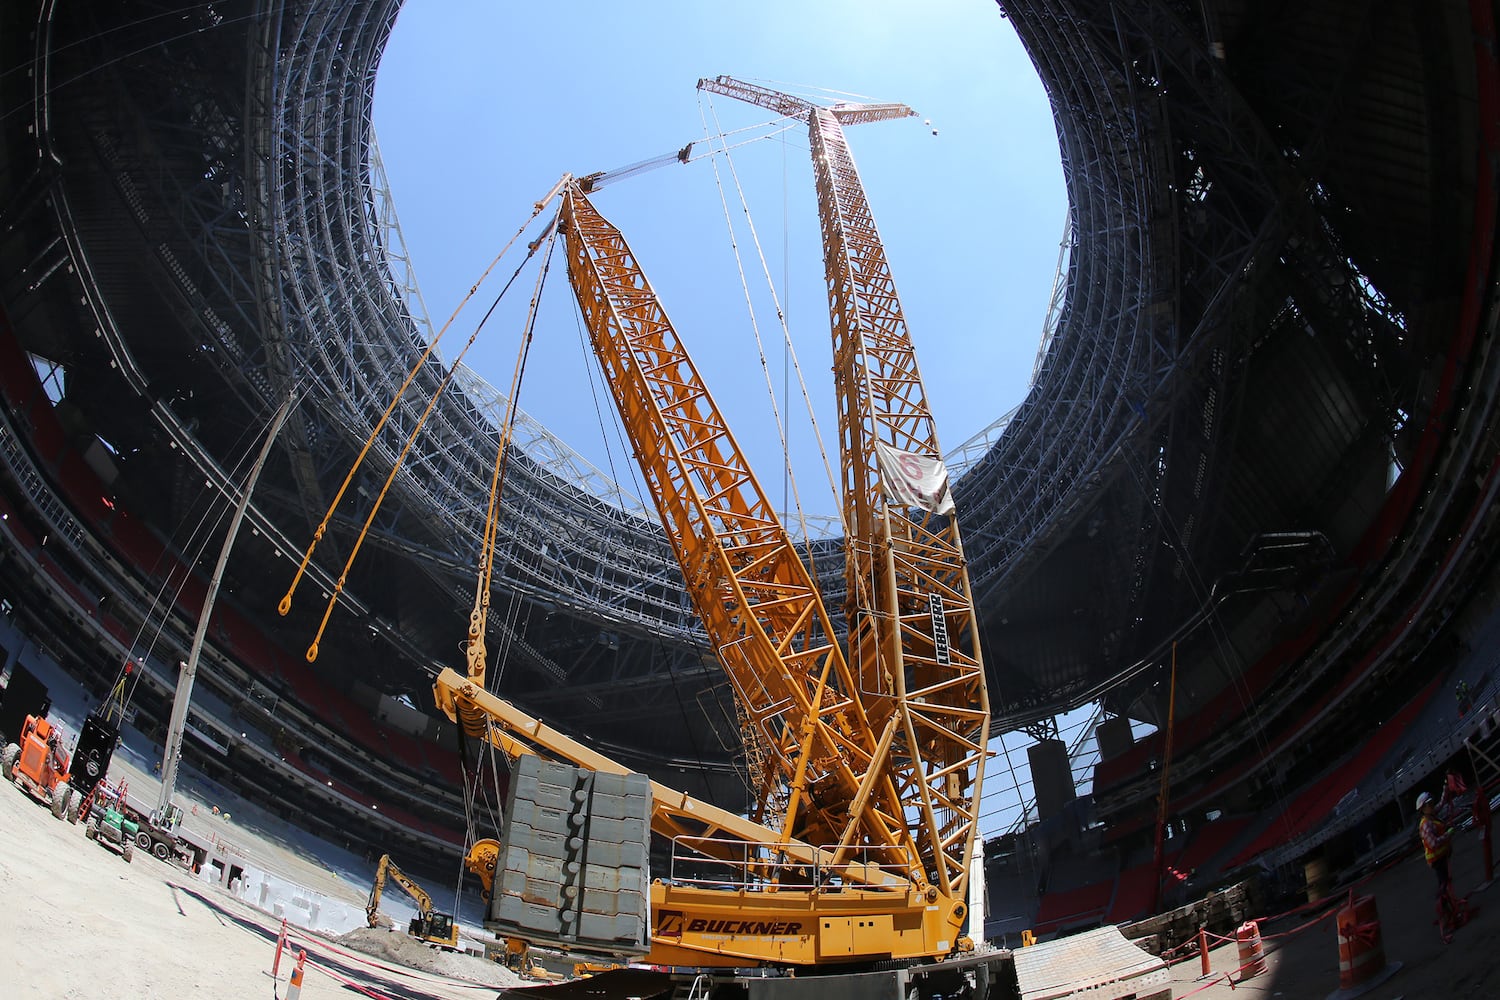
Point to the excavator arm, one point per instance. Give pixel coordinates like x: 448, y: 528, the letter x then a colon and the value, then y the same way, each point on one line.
x: 428, y: 925
x: 372, y: 905
x: 387, y: 869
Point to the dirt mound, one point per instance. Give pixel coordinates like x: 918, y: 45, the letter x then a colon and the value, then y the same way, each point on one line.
x: 394, y: 946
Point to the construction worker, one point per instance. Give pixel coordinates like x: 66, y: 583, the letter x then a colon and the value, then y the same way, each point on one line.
x: 57, y: 758
x: 1436, y: 839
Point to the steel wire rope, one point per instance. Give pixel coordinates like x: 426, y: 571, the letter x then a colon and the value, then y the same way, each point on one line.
x: 636, y: 485
x: 1023, y: 819
x: 1025, y: 812
x: 781, y: 426
x: 1217, y: 631
x: 726, y: 147
x: 488, y: 753
x: 52, y: 88
x: 502, y: 465
x: 418, y: 366
x: 708, y: 788
x: 786, y: 306
x: 417, y: 428
x: 194, y: 554
x: 593, y: 182
x: 469, y: 787
x: 808, y: 88
x: 1067, y: 731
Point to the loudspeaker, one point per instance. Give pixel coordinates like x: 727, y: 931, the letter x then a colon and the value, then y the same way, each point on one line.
x: 96, y: 748
x: 25, y: 696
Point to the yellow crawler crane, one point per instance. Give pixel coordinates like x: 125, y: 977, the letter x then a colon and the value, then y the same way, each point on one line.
x: 866, y: 813
x: 873, y: 779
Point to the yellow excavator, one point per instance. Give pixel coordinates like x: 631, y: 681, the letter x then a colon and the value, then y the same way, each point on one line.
x: 437, y: 929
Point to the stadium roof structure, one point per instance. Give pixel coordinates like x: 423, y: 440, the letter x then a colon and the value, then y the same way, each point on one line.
x: 1262, y: 430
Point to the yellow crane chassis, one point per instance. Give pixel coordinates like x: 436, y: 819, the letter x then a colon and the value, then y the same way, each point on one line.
x: 718, y: 926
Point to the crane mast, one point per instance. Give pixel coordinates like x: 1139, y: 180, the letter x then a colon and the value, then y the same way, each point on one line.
x: 830, y: 766
x: 758, y: 601
x: 913, y: 636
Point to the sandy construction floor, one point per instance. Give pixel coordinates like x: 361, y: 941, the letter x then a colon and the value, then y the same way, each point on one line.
x: 77, y: 921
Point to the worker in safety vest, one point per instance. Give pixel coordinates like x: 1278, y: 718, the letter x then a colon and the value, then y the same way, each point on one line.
x: 1435, y: 839
x: 56, y: 764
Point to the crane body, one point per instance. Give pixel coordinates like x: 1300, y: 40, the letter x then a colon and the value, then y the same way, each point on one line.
x: 797, y: 904
x: 867, y: 758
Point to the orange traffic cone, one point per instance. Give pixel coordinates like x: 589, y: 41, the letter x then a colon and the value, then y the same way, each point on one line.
x: 294, y: 987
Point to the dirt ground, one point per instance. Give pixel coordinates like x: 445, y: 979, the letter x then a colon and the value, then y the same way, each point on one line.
x: 78, y: 922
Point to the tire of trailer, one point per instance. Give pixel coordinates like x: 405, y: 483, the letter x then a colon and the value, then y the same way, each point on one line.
x: 161, y: 851
x: 143, y: 841
x: 125, y: 851
x: 8, y: 758
x: 91, y: 831
x: 61, y: 796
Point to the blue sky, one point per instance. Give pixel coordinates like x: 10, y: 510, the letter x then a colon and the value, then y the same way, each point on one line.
x: 480, y: 106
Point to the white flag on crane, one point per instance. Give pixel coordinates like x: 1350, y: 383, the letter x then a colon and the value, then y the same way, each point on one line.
x: 913, y: 480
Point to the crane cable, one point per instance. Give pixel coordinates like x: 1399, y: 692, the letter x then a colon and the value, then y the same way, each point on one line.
x: 474, y: 647
x: 396, y: 466
x: 286, y: 602
x: 206, y: 523
x: 474, y: 651
x: 589, y: 183
x: 785, y: 330
x: 635, y: 485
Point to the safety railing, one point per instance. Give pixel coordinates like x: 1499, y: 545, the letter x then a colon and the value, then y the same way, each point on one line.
x: 721, y: 863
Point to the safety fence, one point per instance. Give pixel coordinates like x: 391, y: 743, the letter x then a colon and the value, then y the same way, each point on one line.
x: 298, y: 954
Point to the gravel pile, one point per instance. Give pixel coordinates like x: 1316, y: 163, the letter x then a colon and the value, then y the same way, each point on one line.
x: 396, y: 947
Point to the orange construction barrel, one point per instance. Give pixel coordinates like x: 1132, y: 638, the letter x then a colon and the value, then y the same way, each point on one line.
x: 1361, y: 952
x: 1252, y: 952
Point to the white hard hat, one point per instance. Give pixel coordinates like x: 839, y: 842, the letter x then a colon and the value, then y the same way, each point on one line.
x: 1422, y: 800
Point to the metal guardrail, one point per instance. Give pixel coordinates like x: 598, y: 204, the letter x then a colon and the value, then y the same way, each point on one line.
x: 712, y: 862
